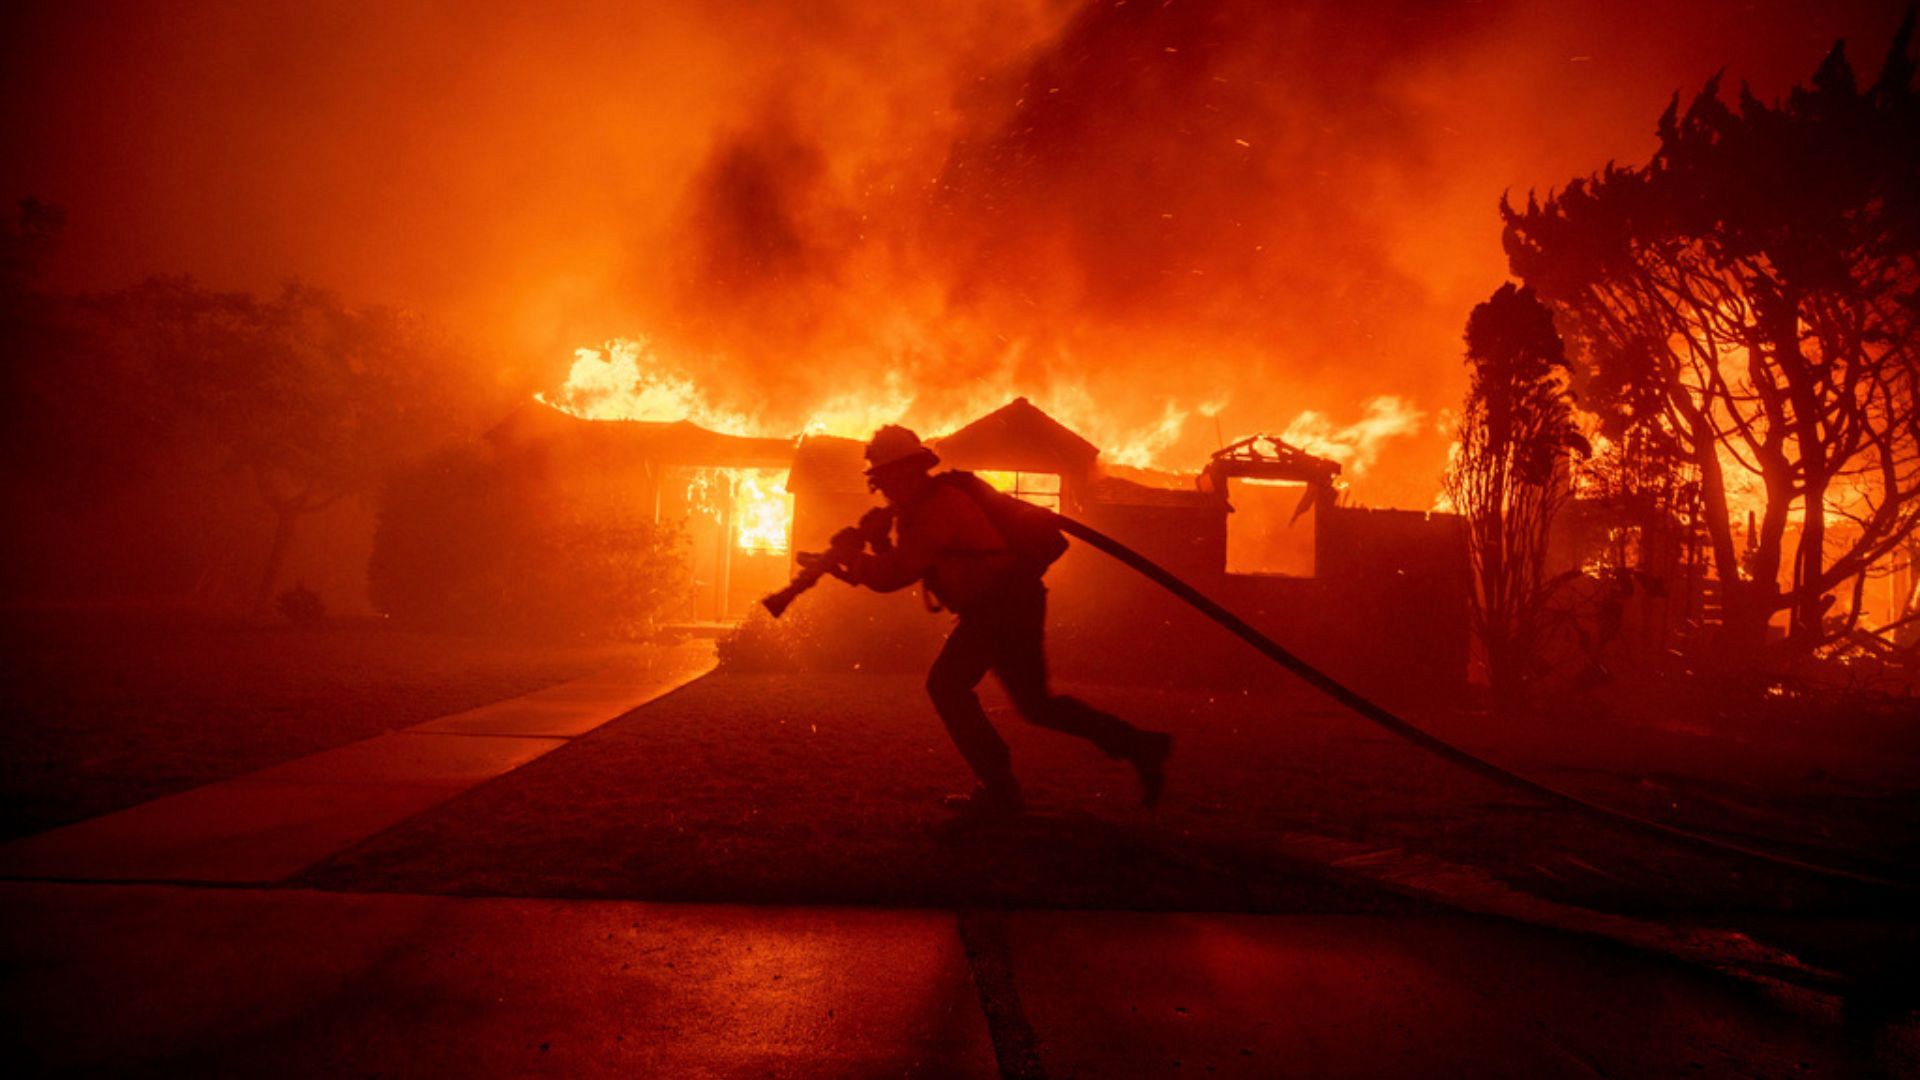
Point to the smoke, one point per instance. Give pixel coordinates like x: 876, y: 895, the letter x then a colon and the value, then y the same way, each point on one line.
x: 1155, y: 208
x: 1160, y: 220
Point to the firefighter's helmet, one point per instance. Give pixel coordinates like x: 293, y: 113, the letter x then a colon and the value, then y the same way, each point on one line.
x: 894, y: 446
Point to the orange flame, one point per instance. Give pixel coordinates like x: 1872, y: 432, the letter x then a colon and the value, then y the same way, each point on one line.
x: 762, y: 510
x: 1357, y: 445
x: 626, y: 379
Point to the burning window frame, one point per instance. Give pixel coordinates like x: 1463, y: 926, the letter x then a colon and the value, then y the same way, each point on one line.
x: 1269, y: 459
x: 1016, y: 482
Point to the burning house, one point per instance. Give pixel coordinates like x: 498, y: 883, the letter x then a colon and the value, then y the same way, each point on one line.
x: 725, y: 493
x: 1377, y: 595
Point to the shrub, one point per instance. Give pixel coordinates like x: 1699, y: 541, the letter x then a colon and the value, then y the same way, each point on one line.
x: 762, y: 643
x: 462, y: 545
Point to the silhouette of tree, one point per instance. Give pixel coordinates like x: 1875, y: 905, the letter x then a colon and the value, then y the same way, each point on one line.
x: 1507, y: 475
x: 137, y: 425
x: 337, y: 395
x: 1746, y: 303
x: 311, y: 398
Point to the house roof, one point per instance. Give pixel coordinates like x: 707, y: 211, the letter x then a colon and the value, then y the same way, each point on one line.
x: 1120, y: 491
x: 1269, y: 457
x: 828, y: 464
x: 1018, y: 435
x: 679, y: 442
x: 683, y: 442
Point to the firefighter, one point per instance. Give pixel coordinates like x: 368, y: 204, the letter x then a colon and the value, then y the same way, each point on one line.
x: 944, y: 535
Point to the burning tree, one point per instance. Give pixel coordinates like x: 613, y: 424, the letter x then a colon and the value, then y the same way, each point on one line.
x: 1746, y: 304
x: 1507, y: 478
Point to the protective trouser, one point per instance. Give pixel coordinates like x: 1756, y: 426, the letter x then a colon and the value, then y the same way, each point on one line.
x: 1005, y: 632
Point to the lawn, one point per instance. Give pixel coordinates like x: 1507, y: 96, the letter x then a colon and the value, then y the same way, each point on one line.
x: 106, y: 709
x: 824, y: 789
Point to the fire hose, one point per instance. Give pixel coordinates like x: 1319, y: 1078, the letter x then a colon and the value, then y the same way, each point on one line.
x: 1376, y: 713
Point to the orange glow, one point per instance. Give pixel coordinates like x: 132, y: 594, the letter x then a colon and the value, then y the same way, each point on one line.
x: 629, y: 379
x: 762, y: 510
x: 754, y: 504
x: 625, y: 380
x: 1018, y: 197
x: 1271, y: 531
x: 1355, y: 446
x: 1040, y: 489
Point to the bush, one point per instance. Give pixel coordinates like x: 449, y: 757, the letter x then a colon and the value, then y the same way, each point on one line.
x: 465, y: 545
x: 590, y: 576
x: 762, y: 643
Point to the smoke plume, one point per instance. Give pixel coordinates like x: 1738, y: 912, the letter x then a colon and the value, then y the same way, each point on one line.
x: 1167, y: 221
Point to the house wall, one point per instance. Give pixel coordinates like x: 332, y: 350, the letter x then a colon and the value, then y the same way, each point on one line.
x: 723, y: 582
x: 817, y: 515
x: 1387, y: 611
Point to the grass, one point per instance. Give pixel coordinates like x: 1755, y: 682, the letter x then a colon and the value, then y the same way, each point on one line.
x: 104, y: 710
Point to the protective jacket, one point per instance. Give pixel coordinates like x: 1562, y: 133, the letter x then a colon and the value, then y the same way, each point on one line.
x: 942, y: 537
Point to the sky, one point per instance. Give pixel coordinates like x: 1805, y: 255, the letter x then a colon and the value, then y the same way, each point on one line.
x: 1171, y: 223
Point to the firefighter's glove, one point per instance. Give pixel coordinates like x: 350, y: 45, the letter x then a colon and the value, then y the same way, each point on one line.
x: 848, y: 540
x: 828, y: 562
x: 876, y: 524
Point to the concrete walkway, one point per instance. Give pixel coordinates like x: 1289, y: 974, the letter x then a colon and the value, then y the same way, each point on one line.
x: 201, y: 981
x: 267, y: 826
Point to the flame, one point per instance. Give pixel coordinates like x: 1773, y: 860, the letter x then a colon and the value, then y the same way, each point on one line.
x: 1847, y: 496
x: 856, y: 416
x: 1137, y: 447
x: 627, y: 379
x: 762, y: 510
x: 1357, y: 445
x: 1040, y: 489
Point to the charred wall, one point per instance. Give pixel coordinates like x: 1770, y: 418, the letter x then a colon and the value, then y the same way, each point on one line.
x: 1387, y: 610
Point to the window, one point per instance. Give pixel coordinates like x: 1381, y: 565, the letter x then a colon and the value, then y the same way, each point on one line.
x: 1038, y: 488
x: 762, y: 511
x: 1263, y: 536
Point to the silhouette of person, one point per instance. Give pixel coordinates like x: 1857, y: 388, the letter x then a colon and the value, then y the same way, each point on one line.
x: 942, y: 536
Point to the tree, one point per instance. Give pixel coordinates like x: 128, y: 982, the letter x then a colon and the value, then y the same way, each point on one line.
x: 330, y: 398
x: 140, y: 425
x: 1507, y: 475
x: 1747, y: 304
x: 306, y: 397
